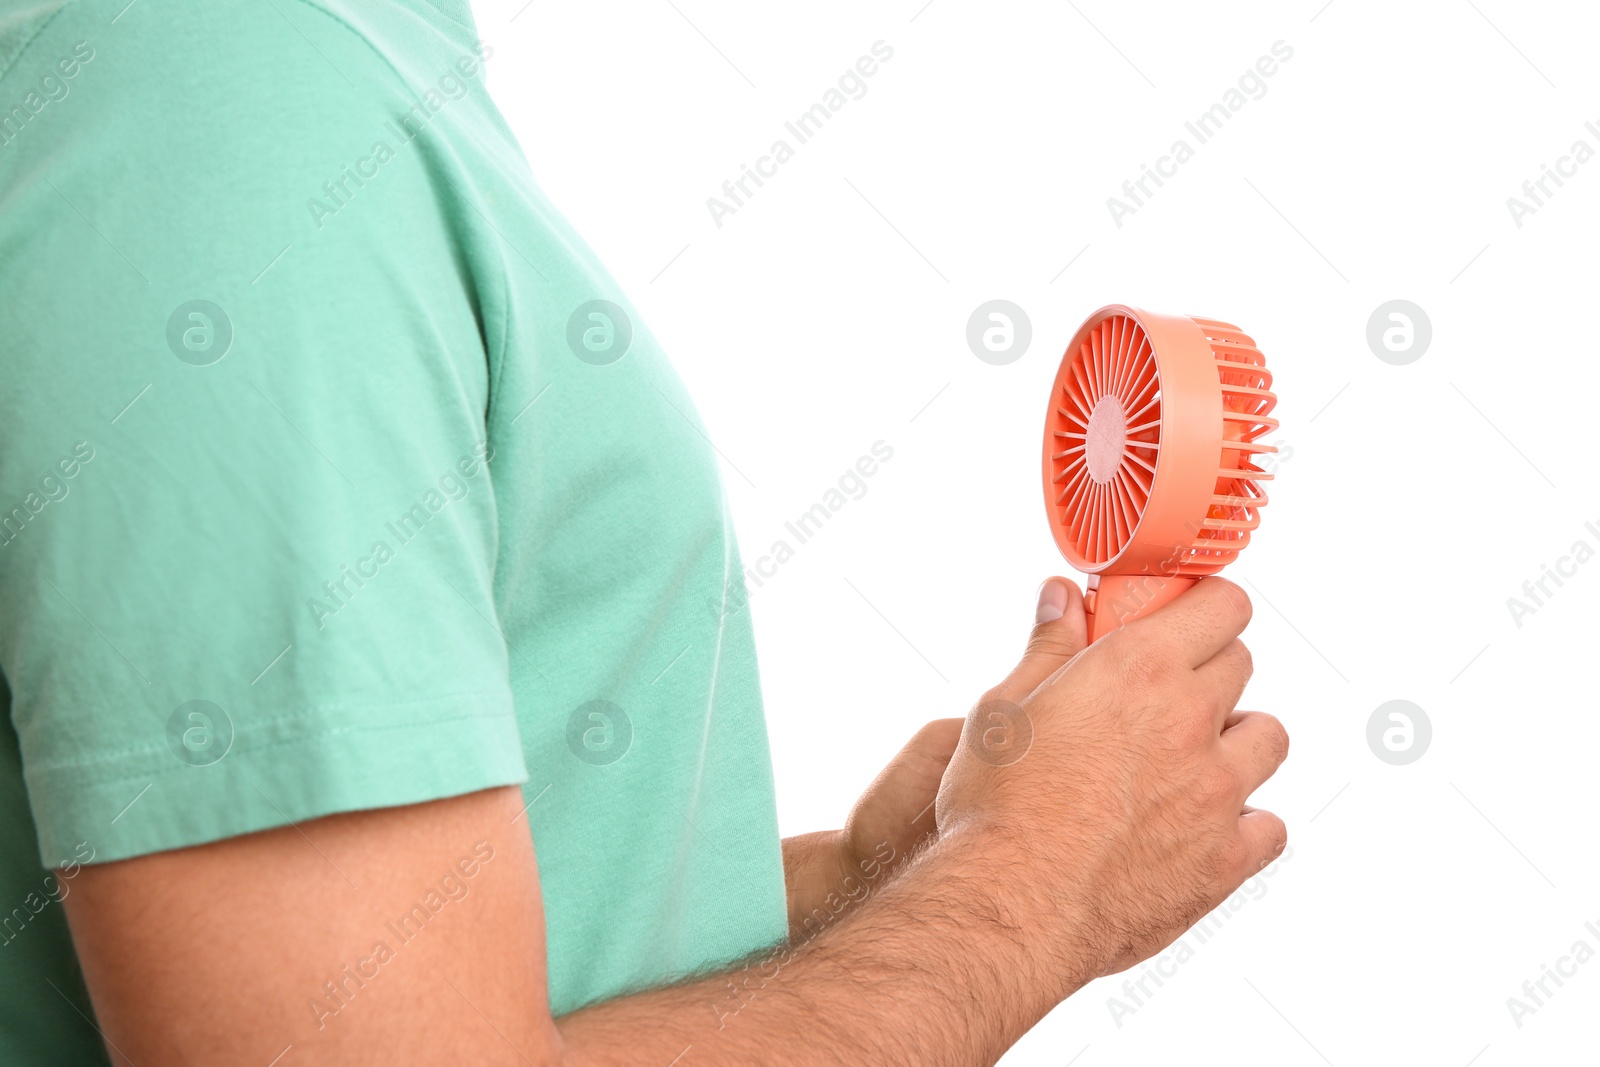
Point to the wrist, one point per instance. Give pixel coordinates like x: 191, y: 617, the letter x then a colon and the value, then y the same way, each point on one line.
x: 977, y: 951
x: 1056, y: 947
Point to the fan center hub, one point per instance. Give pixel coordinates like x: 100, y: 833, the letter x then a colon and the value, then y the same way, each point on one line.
x: 1106, y: 439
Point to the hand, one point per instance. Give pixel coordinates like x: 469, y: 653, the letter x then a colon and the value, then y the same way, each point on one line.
x: 1111, y: 783
x: 890, y: 819
x: 896, y: 812
x: 898, y: 807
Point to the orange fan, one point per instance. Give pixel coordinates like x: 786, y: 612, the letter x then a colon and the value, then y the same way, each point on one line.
x: 1150, y: 445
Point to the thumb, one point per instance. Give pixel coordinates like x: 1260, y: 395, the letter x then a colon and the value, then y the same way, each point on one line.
x: 1060, y: 632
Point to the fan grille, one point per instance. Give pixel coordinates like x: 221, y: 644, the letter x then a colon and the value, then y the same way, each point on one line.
x: 1107, y: 425
x: 1247, y: 402
x: 1106, y: 429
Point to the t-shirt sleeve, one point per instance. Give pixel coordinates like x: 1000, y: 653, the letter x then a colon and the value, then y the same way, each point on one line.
x: 247, y: 512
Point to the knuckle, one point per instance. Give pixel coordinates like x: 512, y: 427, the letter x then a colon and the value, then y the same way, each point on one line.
x: 1045, y: 641
x: 1236, y: 600
x: 995, y: 708
x: 993, y: 695
x: 1274, y: 739
x: 1138, y: 665
x: 1244, y: 659
x: 1278, y: 838
x: 1234, y: 858
x: 1194, y: 726
x: 1271, y: 842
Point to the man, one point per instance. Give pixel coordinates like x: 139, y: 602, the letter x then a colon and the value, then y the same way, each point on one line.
x: 365, y: 703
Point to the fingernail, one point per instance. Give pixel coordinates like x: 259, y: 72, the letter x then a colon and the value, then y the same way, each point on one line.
x: 1052, y: 601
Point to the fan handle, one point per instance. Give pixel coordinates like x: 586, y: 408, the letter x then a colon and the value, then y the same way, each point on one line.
x: 1125, y: 597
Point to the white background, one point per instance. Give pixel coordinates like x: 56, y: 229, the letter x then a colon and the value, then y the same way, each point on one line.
x: 829, y: 313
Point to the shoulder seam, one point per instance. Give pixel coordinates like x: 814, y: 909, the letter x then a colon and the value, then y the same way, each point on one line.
x: 495, y: 358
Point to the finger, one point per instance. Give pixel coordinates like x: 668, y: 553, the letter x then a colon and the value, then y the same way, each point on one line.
x: 1225, y: 675
x: 1059, y: 633
x: 912, y: 776
x: 1198, y: 624
x: 1264, y: 837
x: 934, y: 744
x: 1255, y: 746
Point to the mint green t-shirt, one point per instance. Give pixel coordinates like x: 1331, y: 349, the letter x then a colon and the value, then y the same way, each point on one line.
x: 336, y: 473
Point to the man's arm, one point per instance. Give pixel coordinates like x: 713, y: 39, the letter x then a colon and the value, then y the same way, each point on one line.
x: 941, y: 966
x: 1124, y: 822
x: 234, y: 951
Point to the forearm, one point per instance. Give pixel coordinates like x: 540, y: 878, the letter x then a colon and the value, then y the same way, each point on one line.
x: 938, y: 966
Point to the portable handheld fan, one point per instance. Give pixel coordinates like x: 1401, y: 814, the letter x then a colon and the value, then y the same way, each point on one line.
x: 1150, y: 444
